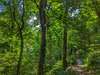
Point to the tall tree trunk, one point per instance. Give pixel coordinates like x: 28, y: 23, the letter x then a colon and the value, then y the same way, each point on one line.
x: 65, y: 48
x: 42, y: 7
x: 65, y: 35
x: 20, y: 56
x: 21, y: 41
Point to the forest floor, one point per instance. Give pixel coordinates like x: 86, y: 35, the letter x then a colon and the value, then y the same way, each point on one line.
x: 80, y: 70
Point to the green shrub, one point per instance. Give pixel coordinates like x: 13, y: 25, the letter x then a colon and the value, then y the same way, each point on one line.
x: 57, y: 69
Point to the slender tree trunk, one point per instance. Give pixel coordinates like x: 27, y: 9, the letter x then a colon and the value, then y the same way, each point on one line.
x: 13, y: 18
x: 21, y: 42
x: 65, y: 64
x: 42, y: 7
x: 65, y: 48
x: 21, y: 47
x: 20, y: 56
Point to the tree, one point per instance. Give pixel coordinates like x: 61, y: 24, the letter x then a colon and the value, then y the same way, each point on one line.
x: 42, y: 15
x: 21, y: 27
x: 65, y: 42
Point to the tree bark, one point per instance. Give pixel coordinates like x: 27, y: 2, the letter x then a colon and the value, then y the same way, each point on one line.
x: 65, y: 48
x: 21, y: 42
x: 20, y: 56
x: 65, y: 45
x: 42, y: 7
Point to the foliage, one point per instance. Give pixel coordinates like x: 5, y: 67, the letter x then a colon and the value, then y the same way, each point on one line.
x: 81, y: 20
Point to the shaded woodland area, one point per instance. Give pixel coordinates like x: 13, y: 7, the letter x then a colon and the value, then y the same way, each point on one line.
x: 49, y: 37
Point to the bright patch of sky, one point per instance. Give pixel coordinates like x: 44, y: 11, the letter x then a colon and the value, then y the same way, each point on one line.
x: 20, y: 7
x: 1, y: 8
x: 73, y: 12
x: 31, y: 20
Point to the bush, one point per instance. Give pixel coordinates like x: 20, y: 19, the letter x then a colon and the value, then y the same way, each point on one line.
x: 94, y: 62
x: 57, y: 69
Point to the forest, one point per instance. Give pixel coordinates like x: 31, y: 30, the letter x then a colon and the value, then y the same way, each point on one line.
x: 49, y: 37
